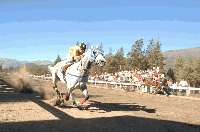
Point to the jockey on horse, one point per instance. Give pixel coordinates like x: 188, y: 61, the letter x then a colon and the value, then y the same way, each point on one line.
x: 74, y: 55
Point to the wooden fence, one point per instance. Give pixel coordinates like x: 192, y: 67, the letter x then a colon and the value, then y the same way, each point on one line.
x: 135, y: 86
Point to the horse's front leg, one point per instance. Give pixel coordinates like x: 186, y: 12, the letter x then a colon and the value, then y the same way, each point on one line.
x: 69, y: 95
x: 85, y: 92
x: 73, y: 99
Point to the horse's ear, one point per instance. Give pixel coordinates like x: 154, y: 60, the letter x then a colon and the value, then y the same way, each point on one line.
x: 91, y: 47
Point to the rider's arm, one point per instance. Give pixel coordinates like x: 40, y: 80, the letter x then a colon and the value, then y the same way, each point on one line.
x: 71, y: 52
x: 76, y: 57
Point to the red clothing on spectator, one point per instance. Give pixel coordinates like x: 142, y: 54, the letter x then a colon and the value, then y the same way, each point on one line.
x: 155, y: 74
x: 139, y: 77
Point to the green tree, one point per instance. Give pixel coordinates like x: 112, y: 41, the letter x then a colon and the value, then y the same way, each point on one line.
x: 77, y: 43
x: 110, y: 62
x: 136, y: 55
x: 119, y: 59
x: 150, y: 54
x: 191, y: 71
x: 178, y: 68
x: 1, y: 69
x: 88, y: 46
x: 170, y: 73
x: 58, y: 59
x: 159, y: 57
x: 154, y: 55
x: 101, y: 48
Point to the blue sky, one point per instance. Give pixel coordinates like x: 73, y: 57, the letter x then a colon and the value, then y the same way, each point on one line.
x: 42, y: 29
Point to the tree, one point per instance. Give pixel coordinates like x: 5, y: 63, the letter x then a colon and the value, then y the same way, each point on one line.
x: 1, y: 69
x: 195, y: 76
x: 178, y: 68
x: 101, y: 48
x: 170, y: 73
x: 88, y: 46
x: 110, y: 52
x: 154, y: 55
x: 159, y: 56
x: 119, y: 59
x: 150, y: 54
x: 77, y: 43
x: 136, y: 55
x: 110, y: 62
x: 191, y: 71
x: 58, y: 59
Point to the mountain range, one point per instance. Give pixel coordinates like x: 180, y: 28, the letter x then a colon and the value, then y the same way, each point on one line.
x: 170, y: 55
x: 16, y: 63
x: 184, y: 53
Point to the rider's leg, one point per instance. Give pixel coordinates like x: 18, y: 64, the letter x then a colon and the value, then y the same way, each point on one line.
x: 68, y: 60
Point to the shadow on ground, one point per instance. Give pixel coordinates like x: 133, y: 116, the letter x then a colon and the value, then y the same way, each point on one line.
x: 69, y: 123
x: 109, y: 107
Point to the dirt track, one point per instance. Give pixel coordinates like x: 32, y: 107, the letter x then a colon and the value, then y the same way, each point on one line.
x: 106, y: 110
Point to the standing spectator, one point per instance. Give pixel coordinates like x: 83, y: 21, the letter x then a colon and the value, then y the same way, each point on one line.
x: 139, y: 77
x: 183, y: 83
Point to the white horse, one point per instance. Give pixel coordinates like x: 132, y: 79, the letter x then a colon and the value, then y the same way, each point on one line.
x: 77, y: 74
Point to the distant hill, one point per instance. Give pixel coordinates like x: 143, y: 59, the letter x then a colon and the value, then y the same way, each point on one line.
x: 15, y: 63
x: 185, y: 53
x: 170, y: 55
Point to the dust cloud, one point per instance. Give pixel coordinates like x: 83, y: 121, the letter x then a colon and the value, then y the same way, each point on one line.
x: 26, y: 84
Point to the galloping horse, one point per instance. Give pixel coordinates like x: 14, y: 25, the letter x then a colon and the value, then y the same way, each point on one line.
x: 156, y: 83
x: 77, y: 74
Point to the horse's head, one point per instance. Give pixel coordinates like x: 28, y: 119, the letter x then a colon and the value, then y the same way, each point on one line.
x: 96, y: 56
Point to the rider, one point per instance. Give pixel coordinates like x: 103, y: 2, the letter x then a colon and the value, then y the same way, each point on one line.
x: 74, y: 55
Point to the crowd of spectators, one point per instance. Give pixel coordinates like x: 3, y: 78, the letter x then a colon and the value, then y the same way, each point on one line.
x: 131, y: 76
x: 137, y: 76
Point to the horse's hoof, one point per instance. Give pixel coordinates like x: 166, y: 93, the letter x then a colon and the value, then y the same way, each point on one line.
x: 67, y: 98
x: 55, y: 102
x: 78, y: 103
x: 74, y: 103
x: 61, y: 104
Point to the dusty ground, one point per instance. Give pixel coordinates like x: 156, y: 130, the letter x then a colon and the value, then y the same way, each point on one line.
x: 106, y: 110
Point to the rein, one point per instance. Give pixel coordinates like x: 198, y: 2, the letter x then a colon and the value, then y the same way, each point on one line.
x: 76, y: 75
